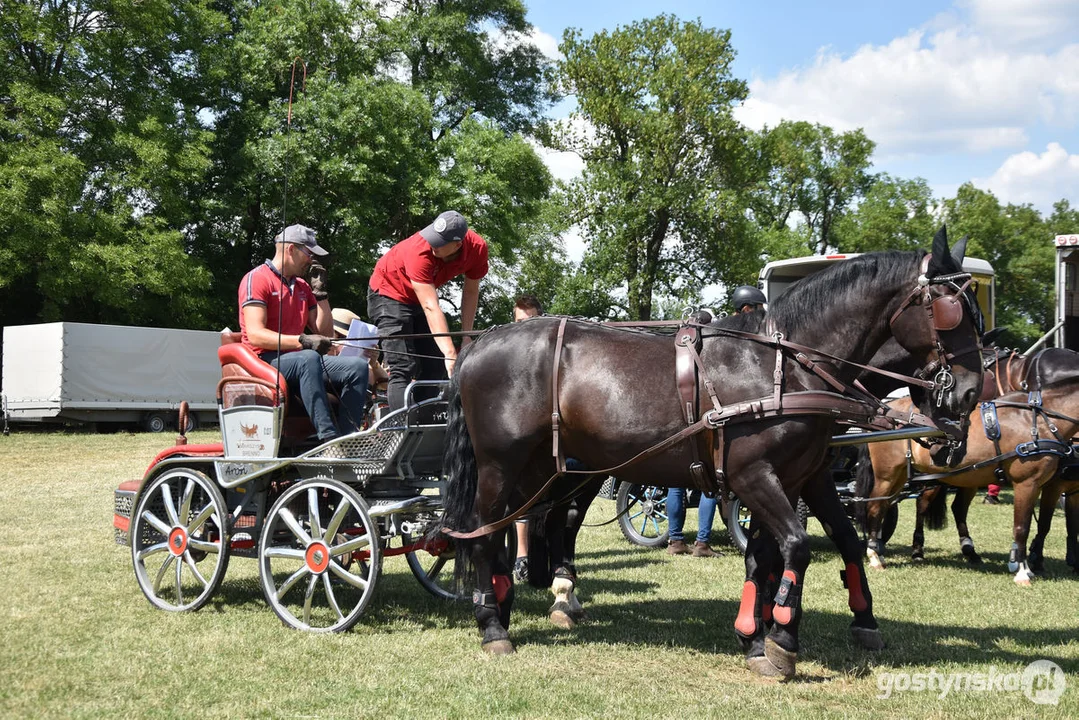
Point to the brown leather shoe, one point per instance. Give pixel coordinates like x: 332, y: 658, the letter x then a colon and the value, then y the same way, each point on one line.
x: 701, y: 549
x: 677, y: 547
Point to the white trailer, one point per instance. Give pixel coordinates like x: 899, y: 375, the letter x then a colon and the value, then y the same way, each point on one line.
x: 1066, y: 329
x: 779, y: 275
x: 57, y: 372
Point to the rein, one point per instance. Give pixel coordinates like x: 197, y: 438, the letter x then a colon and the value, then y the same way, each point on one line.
x: 842, y: 408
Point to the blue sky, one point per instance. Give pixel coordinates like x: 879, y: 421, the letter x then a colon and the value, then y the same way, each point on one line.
x: 985, y: 91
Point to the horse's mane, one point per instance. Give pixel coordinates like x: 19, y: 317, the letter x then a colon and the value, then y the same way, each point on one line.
x: 856, y: 277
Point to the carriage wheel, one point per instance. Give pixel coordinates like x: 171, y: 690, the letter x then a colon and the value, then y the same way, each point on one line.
x: 738, y: 517
x: 642, y: 514
x: 433, y: 567
x: 319, y: 556
x: 179, y: 546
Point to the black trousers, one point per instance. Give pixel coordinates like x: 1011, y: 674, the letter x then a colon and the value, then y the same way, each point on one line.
x: 408, y: 358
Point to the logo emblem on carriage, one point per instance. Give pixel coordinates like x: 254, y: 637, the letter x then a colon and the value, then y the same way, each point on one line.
x: 249, y: 431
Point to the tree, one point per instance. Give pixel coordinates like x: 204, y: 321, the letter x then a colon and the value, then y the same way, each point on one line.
x: 100, y: 140
x: 808, y: 176
x: 659, y: 200
x: 410, y: 108
x: 1018, y: 243
x: 895, y: 214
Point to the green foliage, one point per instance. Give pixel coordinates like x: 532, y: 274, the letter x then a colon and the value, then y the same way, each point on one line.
x: 657, y: 199
x: 895, y: 214
x: 808, y: 175
x: 1018, y: 242
x: 150, y: 150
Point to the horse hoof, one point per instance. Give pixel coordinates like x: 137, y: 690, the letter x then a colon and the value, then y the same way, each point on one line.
x: 783, y: 660
x: 876, y: 564
x: 917, y: 558
x: 868, y: 638
x: 764, y: 667
x: 499, y: 647
x: 562, y: 619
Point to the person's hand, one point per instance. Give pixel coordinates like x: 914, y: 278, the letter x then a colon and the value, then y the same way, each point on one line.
x: 317, y: 279
x: 319, y: 343
x: 450, y: 361
x: 465, y: 340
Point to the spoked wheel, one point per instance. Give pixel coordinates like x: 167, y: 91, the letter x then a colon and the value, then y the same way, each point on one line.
x: 738, y: 517
x: 319, y: 556
x: 179, y: 545
x: 642, y: 514
x: 433, y: 566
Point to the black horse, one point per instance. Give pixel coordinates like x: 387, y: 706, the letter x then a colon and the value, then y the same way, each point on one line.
x: 617, y: 396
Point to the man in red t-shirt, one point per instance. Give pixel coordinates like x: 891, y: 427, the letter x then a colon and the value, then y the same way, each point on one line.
x: 403, y: 300
x: 277, y: 307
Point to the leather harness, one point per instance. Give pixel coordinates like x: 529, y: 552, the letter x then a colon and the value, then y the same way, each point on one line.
x: 861, y: 410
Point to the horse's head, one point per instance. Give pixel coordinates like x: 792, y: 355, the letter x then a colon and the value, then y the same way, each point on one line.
x: 940, y: 325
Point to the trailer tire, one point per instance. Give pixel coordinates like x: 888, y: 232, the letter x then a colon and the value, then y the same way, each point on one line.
x: 154, y: 422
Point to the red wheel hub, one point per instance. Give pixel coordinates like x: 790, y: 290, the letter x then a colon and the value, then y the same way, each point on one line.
x: 177, y: 541
x: 317, y: 557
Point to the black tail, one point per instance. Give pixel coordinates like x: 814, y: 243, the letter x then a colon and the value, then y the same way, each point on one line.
x: 459, y: 466
x: 935, y: 513
x: 863, y: 484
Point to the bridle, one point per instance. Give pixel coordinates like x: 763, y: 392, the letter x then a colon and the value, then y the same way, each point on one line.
x: 944, y: 313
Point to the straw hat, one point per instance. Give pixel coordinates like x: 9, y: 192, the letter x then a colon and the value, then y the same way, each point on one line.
x: 342, y: 318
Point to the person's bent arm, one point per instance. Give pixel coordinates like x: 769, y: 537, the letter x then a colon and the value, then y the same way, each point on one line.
x: 436, y: 321
x: 320, y: 319
x: 470, y: 298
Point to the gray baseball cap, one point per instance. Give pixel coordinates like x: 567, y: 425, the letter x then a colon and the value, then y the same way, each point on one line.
x: 448, y: 227
x: 301, y: 235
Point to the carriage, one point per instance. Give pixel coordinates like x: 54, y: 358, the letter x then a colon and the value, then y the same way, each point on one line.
x: 318, y: 517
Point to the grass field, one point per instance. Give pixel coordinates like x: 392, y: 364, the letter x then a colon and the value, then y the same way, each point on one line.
x: 80, y: 640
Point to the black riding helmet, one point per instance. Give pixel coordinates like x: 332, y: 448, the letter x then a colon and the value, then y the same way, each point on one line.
x: 747, y: 295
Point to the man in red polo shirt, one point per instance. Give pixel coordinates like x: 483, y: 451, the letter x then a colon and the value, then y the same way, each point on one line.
x: 278, y: 307
x: 403, y: 300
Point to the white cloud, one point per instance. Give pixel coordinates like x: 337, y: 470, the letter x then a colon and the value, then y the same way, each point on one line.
x: 1041, y: 180
x: 957, y: 88
x: 548, y: 44
x: 564, y: 166
x: 1024, y: 22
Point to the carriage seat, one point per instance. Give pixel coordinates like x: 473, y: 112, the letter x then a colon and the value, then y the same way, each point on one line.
x: 238, y: 360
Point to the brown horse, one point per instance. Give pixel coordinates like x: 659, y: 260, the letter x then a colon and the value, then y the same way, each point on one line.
x: 609, y: 395
x: 1005, y: 371
x: 1019, y: 422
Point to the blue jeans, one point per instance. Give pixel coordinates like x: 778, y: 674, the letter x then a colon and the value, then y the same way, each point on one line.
x: 309, y: 372
x: 676, y: 515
